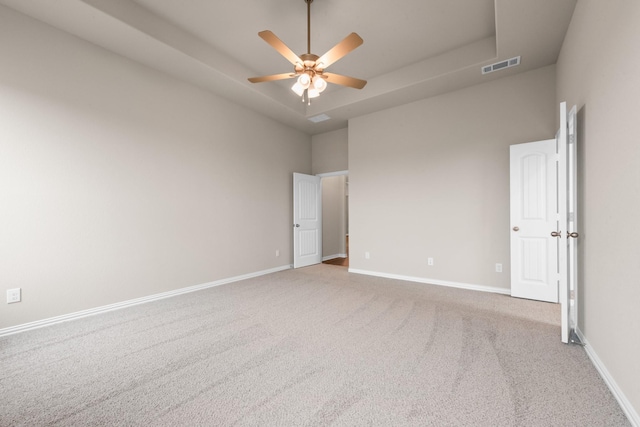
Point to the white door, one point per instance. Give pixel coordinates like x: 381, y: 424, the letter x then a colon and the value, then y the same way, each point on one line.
x: 568, y: 221
x: 534, y: 216
x: 307, y: 220
x: 572, y: 227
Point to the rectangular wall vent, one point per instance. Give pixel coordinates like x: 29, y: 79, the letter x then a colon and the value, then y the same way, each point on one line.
x: 501, y: 65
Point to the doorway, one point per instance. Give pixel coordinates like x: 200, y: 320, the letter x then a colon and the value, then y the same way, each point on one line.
x: 342, y: 262
x: 335, y: 218
x: 544, y: 221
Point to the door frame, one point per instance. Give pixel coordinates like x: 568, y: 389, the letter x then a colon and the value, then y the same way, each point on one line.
x: 329, y: 175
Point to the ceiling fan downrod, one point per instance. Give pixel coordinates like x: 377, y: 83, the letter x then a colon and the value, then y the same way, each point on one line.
x: 308, y: 25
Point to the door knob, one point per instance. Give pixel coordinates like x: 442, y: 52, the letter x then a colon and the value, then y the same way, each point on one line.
x: 556, y: 233
x: 296, y: 225
x: 574, y: 235
x: 516, y: 228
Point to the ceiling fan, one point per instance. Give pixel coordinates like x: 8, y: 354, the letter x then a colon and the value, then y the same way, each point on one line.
x: 310, y: 68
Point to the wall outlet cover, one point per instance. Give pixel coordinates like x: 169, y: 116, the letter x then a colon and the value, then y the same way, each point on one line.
x: 13, y: 295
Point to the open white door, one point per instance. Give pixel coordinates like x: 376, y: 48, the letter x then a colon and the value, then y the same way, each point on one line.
x: 534, y: 245
x: 561, y: 138
x: 544, y: 221
x: 307, y: 220
x: 572, y: 228
x: 568, y: 220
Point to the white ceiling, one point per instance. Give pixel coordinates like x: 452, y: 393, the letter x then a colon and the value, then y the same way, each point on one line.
x: 412, y: 49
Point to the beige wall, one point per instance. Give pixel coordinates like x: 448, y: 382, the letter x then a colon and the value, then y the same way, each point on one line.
x: 431, y: 179
x: 330, y: 154
x: 599, y: 71
x: 330, y: 151
x: 118, y: 182
x: 334, y: 216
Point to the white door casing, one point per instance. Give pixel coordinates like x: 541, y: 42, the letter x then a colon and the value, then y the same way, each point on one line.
x: 534, y: 252
x: 307, y: 220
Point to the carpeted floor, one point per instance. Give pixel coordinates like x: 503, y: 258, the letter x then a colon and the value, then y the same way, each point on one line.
x: 309, y: 347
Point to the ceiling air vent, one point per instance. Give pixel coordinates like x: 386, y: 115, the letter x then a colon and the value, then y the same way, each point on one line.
x: 501, y: 65
x: 319, y: 118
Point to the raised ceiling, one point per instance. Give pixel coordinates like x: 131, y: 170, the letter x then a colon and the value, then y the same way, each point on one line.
x: 412, y: 49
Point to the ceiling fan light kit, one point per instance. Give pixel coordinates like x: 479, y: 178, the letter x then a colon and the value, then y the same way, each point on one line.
x: 309, y: 68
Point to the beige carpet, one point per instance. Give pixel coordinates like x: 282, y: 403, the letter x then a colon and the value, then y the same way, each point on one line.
x: 315, y: 346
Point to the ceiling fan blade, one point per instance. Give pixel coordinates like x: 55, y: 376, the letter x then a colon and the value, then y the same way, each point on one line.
x: 345, y: 80
x: 349, y: 43
x: 278, y: 45
x: 272, y: 77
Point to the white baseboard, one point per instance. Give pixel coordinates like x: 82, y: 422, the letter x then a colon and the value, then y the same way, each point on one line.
x: 111, y: 307
x: 469, y: 286
x: 330, y: 257
x: 626, y: 406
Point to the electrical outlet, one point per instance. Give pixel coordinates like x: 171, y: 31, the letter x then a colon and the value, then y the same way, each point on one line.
x: 498, y: 268
x: 429, y: 261
x: 13, y: 295
x: 367, y: 255
x: 277, y: 252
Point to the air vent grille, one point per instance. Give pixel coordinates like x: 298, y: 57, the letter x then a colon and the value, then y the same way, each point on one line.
x: 319, y: 118
x: 501, y: 65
